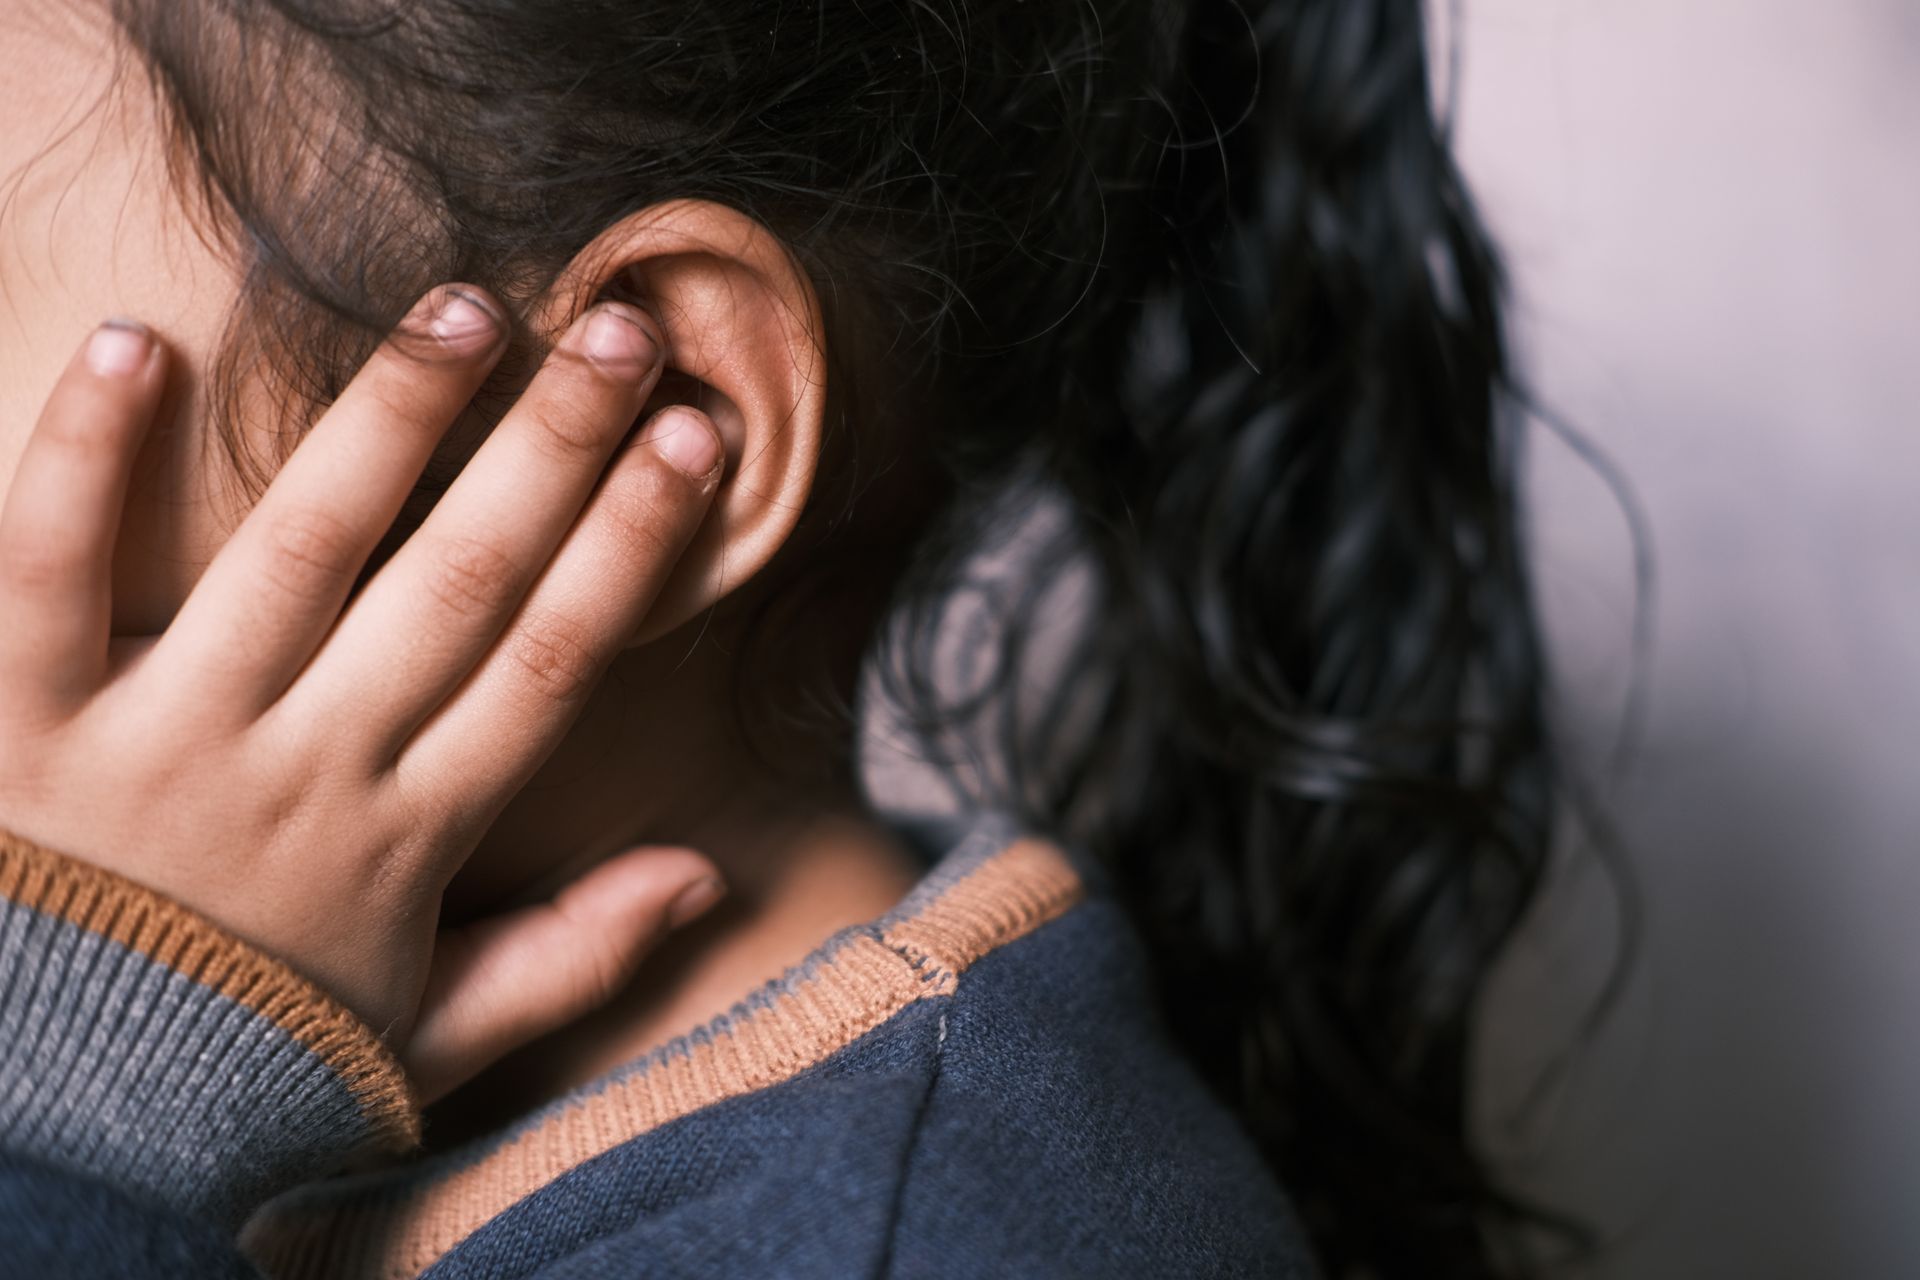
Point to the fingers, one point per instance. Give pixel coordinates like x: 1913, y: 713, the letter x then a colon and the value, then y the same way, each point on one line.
x: 62, y: 517
x: 492, y: 734
x: 275, y: 589
x: 440, y: 603
x: 505, y: 982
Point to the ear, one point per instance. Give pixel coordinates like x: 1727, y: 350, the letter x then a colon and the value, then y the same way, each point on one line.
x: 744, y: 345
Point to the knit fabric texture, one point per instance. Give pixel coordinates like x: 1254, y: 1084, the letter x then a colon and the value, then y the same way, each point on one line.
x: 973, y: 1085
x: 143, y: 1044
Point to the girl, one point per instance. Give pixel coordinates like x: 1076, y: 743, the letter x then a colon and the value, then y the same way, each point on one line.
x: 357, y: 777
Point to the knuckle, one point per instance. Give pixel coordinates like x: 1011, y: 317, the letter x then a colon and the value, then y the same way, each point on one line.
x: 309, y: 552
x: 75, y: 435
x: 472, y: 579
x: 32, y: 566
x: 600, y: 965
x: 92, y: 427
x: 556, y: 656
x: 643, y: 522
x: 567, y: 434
x: 602, y: 974
x: 398, y: 403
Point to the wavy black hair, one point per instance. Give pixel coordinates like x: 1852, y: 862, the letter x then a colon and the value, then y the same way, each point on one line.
x: 1203, y: 270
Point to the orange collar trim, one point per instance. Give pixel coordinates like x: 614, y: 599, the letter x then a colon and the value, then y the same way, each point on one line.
x: 395, y: 1224
x: 174, y: 936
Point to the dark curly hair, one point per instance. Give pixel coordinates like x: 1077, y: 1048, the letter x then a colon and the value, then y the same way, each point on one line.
x: 1205, y: 272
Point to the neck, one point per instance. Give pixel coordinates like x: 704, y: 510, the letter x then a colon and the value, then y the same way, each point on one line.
x: 800, y: 863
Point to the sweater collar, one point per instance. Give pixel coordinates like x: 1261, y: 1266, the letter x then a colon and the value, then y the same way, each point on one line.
x: 989, y: 889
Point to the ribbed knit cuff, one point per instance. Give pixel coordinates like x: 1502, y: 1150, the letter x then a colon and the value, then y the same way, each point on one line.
x: 144, y: 1045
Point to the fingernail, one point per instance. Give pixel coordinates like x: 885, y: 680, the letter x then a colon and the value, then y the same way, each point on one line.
x: 463, y: 323
x: 620, y: 338
x: 119, y: 348
x: 694, y: 901
x: 686, y: 439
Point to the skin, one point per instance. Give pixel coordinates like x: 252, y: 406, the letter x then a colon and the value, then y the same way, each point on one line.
x: 188, y: 698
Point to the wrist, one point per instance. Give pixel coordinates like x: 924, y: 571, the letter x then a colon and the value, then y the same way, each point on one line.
x: 143, y: 1044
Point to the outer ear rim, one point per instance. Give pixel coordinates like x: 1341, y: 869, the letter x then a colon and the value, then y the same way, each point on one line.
x: 707, y: 249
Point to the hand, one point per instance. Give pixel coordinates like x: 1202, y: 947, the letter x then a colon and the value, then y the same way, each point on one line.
x: 311, y: 778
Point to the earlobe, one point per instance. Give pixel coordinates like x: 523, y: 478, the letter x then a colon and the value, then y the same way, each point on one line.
x: 744, y: 344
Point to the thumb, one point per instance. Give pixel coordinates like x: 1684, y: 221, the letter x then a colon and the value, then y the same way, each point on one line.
x: 502, y: 982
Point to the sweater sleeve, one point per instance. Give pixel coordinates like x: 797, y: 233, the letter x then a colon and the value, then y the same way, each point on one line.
x: 156, y: 1061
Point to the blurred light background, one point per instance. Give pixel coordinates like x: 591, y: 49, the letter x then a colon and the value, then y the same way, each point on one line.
x: 1711, y: 213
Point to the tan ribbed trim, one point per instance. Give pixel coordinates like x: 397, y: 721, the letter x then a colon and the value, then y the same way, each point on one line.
x: 167, y: 933
x: 396, y: 1226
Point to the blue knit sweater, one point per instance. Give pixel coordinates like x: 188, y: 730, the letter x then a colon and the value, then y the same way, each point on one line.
x: 971, y: 1086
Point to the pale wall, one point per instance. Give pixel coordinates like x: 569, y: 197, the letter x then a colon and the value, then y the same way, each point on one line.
x: 1712, y: 213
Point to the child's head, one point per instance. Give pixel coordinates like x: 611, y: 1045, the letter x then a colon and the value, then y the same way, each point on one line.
x: 1200, y: 270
